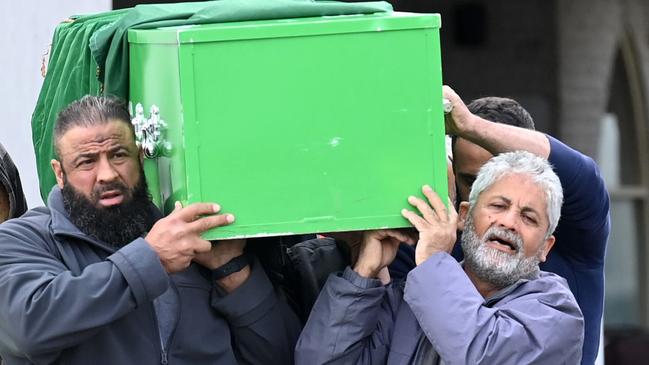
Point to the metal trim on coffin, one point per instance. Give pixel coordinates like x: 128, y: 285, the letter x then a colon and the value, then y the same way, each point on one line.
x: 150, y: 132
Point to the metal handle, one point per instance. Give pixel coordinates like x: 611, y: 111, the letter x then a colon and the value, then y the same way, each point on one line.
x: 150, y: 132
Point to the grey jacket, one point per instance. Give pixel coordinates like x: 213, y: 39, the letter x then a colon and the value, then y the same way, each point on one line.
x: 357, y: 321
x: 66, y: 298
x: 10, y: 179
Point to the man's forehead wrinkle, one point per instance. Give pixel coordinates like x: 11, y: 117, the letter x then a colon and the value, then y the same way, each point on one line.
x: 525, y: 206
x: 95, y: 145
x: 504, y: 198
x: 103, y: 142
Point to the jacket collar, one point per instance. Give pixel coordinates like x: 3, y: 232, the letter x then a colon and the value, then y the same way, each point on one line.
x: 500, y: 294
x: 61, y: 223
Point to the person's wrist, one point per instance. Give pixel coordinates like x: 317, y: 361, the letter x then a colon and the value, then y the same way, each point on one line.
x: 365, y: 271
x: 233, y: 281
x: 231, y: 266
x: 420, y: 258
x: 222, y: 258
x: 473, y: 125
x: 424, y: 253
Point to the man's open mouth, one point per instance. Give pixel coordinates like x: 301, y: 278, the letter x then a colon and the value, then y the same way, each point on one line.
x: 501, y: 243
x: 111, y: 197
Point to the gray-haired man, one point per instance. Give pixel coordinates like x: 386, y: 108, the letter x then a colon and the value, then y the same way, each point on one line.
x: 496, y: 307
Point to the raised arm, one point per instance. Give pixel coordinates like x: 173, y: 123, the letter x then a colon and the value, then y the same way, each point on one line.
x: 494, y: 137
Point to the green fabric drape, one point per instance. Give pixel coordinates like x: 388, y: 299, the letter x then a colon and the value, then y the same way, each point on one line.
x: 90, y: 55
x: 71, y: 73
x: 109, y: 46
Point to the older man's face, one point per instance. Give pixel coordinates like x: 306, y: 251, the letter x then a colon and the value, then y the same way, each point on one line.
x: 504, y: 237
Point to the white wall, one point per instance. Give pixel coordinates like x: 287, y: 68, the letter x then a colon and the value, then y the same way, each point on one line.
x: 26, y: 28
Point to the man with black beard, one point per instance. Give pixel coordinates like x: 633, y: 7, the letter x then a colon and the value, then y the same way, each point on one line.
x: 496, y: 307
x: 134, y: 216
x: 99, y: 277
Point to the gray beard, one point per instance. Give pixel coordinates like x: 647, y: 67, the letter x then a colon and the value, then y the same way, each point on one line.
x: 493, y: 266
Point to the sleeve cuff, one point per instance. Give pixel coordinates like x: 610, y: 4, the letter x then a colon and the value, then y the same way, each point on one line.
x: 358, y: 281
x: 141, y: 267
x: 240, y: 307
x: 441, y: 261
x: 438, y: 271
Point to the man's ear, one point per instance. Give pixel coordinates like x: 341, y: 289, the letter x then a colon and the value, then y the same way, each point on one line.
x: 548, y: 244
x: 462, y: 214
x: 58, y: 172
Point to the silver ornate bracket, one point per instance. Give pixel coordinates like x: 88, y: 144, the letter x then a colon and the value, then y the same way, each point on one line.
x: 150, y: 132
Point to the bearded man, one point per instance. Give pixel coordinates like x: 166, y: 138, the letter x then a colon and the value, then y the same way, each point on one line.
x: 496, y: 307
x: 99, y: 277
x: 492, y: 125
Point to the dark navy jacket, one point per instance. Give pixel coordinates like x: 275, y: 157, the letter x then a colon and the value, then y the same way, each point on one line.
x: 581, y: 237
x: 66, y: 298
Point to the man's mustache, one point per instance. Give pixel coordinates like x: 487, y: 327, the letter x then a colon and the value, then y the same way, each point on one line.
x: 115, y: 185
x: 511, y: 237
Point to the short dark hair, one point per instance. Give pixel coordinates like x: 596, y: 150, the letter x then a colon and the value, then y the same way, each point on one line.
x: 90, y: 111
x: 501, y: 110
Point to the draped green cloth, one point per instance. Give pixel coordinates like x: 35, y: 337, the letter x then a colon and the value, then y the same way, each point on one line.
x: 90, y: 54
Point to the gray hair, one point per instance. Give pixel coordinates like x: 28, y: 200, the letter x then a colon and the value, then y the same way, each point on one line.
x: 526, y: 163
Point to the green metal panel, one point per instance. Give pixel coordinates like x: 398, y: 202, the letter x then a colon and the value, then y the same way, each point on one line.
x: 154, y: 80
x: 324, y: 124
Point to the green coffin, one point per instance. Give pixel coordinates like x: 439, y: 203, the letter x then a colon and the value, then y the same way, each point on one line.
x: 296, y: 125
